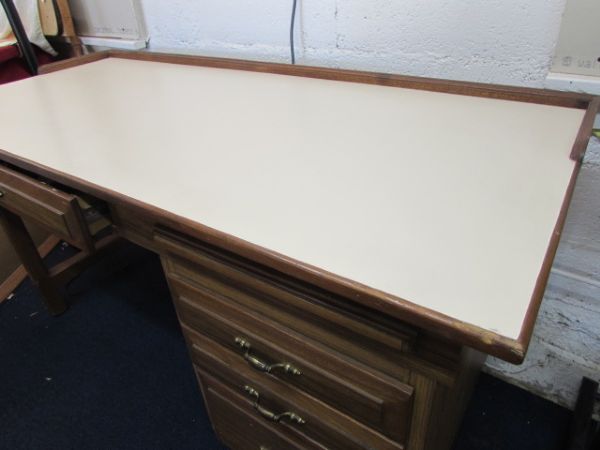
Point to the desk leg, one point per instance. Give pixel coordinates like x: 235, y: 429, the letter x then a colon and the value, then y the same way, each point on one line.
x: 26, y: 250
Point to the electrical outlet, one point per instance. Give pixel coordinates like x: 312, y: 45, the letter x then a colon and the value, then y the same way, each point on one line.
x: 120, y: 19
x: 578, y: 48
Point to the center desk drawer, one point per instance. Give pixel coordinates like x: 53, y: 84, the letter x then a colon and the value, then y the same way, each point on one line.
x: 373, y: 398
x: 54, y: 210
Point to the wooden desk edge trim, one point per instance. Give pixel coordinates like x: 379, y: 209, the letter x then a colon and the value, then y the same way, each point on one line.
x: 513, y: 93
x: 577, y: 154
x: 497, y: 91
x: 505, y: 348
x: 73, y: 62
x: 461, y: 332
x: 585, y: 130
x: 542, y: 279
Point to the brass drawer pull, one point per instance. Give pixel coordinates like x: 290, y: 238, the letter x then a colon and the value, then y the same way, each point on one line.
x: 292, y: 417
x: 261, y: 365
x: 1, y: 194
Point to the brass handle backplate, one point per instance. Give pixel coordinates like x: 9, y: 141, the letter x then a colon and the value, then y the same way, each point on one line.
x: 261, y: 365
x: 291, y: 416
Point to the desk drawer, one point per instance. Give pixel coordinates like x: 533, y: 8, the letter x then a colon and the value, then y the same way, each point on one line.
x: 313, y: 420
x: 335, y: 322
x: 236, y: 423
x: 56, y: 211
x: 375, y: 399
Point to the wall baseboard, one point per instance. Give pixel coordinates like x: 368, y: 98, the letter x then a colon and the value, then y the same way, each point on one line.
x: 573, y: 83
x: 125, y: 44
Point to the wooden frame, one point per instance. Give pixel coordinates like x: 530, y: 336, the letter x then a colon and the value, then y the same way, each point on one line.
x: 512, y: 350
x: 58, y: 213
x: 67, y: 28
x: 20, y: 273
x: 49, y: 280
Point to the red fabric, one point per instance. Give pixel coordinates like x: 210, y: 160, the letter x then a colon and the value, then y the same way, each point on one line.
x: 13, y: 67
x: 9, y: 52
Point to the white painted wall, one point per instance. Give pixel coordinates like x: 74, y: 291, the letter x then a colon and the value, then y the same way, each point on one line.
x: 502, y: 41
x: 498, y: 41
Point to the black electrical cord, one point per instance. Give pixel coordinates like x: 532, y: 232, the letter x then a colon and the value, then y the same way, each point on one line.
x: 23, y: 43
x: 292, y: 32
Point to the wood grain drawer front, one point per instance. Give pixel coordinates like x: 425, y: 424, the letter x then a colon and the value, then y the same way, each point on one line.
x: 336, y: 322
x: 288, y: 408
x: 54, y: 210
x: 134, y: 225
x: 237, y: 425
x: 375, y: 399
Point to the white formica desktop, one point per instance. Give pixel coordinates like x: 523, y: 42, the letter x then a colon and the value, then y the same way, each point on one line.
x: 411, y: 216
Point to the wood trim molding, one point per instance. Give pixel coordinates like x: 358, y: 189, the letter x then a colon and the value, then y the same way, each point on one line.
x: 440, y: 324
x: 585, y: 131
x: 542, y: 280
x: 72, y: 62
x: 522, y: 94
x: 13, y: 281
x: 466, y: 334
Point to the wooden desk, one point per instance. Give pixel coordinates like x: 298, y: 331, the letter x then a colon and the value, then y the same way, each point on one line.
x: 343, y: 248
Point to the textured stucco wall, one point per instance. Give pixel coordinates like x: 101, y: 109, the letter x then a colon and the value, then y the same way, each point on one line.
x: 502, y: 41
x: 497, y: 41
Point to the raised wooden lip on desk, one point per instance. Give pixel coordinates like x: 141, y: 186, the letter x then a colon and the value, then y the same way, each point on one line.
x: 512, y: 350
x: 497, y: 91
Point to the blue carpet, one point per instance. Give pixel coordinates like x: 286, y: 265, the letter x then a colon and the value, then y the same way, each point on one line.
x: 503, y: 417
x: 113, y: 373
